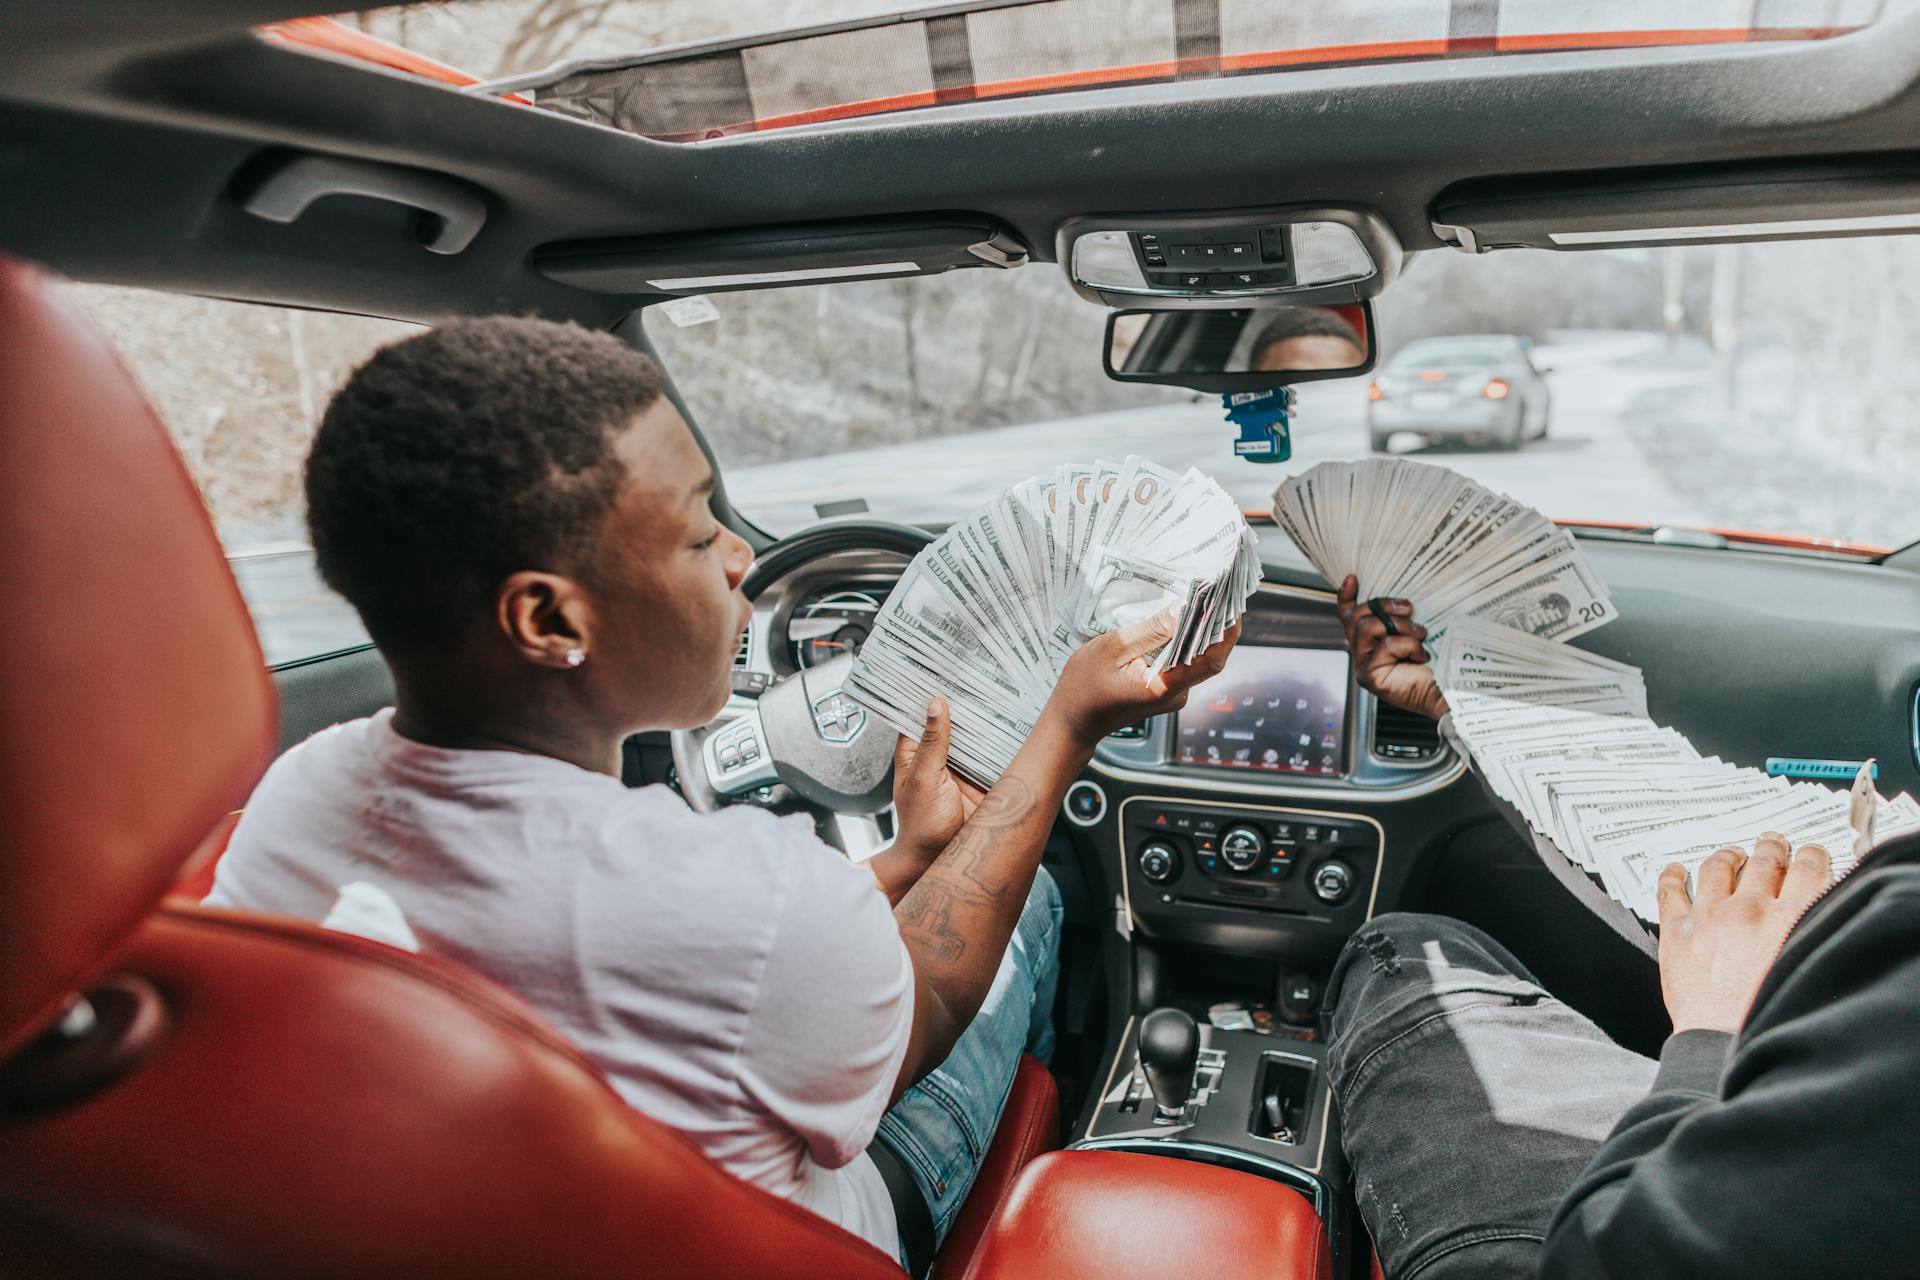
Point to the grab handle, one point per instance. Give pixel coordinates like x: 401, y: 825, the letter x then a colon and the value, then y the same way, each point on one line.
x: 453, y: 212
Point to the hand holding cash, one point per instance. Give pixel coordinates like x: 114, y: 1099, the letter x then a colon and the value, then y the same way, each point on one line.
x: 1389, y: 651
x: 1122, y: 584
x: 1557, y: 732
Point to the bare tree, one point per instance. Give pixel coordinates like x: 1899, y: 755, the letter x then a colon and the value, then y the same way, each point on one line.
x: 548, y: 31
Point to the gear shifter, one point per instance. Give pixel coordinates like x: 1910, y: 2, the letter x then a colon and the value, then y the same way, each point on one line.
x: 1169, y: 1051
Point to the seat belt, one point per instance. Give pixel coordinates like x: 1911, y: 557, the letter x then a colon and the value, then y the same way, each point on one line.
x: 910, y: 1210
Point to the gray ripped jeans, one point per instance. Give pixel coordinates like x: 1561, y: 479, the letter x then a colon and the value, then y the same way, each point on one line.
x: 1470, y: 1099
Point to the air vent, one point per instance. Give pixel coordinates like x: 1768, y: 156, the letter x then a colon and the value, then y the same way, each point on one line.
x: 745, y: 656
x: 1404, y: 736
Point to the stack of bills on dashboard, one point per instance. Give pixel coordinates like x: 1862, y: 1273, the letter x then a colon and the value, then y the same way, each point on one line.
x: 1563, y: 736
x: 987, y: 615
x: 1455, y: 549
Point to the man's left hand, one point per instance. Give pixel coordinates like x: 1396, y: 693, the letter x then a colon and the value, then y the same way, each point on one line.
x: 930, y: 802
x: 1717, y: 943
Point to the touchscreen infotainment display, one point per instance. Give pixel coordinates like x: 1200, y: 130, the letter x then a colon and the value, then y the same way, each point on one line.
x: 1273, y: 710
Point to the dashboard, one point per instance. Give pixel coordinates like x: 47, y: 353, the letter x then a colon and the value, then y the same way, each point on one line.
x: 1254, y: 819
x: 1284, y: 719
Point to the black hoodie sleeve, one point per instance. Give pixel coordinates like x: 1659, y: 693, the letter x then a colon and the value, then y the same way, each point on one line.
x: 1792, y: 1157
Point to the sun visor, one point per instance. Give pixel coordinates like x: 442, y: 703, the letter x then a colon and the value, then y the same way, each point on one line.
x: 1694, y: 205
x: 781, y: 256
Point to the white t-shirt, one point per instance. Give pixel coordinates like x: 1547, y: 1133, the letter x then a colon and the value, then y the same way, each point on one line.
x: 734, y: 976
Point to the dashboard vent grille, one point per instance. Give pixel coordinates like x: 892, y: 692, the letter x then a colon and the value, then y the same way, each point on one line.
x: 1404, y: 735
x: 745, y: 655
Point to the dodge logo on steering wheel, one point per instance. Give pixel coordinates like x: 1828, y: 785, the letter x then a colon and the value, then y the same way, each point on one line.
x: 838, y: 718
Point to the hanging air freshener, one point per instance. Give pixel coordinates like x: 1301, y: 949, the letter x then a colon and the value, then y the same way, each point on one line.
x: 1262, y: 419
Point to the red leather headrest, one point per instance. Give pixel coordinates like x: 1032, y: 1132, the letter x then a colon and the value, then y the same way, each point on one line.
x: 135, y: 708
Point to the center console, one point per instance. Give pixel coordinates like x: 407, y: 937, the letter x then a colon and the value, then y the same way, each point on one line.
x: 1241, y: 842
x: 1225, y: 874
x: 1210, y: 1150
x: 1259, y: 1102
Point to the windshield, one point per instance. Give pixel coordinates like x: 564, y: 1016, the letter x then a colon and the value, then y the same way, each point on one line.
x: 1763, y: 387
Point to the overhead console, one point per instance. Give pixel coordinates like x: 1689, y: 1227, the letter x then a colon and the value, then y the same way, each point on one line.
x: 1291, y: 254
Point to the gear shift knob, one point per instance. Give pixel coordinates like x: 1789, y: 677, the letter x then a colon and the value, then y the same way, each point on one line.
x: 1169, y: 1051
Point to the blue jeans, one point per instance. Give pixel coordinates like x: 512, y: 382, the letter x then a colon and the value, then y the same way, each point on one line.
x: 940, y: 1128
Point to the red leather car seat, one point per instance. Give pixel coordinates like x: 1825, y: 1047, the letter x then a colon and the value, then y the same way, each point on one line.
x: 189, y: 1092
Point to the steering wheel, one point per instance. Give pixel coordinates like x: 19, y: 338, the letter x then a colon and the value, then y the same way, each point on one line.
x: 804, y: 731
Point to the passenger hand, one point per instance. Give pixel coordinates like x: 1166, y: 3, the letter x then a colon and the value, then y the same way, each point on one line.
x: 930, y: 801
x: 1104, y: 685
x: 1717, y: 945
x: 1393, y: 668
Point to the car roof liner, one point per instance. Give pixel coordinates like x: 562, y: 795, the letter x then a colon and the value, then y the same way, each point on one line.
x: 129, y: 143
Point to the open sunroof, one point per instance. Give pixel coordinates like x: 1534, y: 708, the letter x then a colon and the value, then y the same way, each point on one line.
x: 886, y: 63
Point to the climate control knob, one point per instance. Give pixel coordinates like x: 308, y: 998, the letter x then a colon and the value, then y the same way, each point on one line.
x: 1332, y: 882
x: 1158, y: 862
x: 1243, y: 847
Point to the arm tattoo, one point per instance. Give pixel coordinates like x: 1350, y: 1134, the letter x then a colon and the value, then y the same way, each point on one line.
x: 1005, y: 807
x: 926, y: 915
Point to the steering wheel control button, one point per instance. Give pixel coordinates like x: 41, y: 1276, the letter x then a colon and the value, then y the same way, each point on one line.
x: 736, y: 756
x: 1332, y: 882
x: 1158, y: 862
x: 1086, y: 803
x: 1243, y: 847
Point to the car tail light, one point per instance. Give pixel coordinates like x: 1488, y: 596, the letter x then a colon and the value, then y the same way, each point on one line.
x: 1374, y: 392
x: 1433, y: 375
x: 1497, y: 389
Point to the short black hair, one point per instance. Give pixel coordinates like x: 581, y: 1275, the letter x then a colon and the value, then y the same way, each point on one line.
x: 1303, y: 322
x: 455, y: 458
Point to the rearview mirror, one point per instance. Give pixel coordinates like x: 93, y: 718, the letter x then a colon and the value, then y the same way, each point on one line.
x: 1243, y: 349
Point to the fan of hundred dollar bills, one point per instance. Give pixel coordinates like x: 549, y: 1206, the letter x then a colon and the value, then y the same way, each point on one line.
x: 987, y: 615
x: 1455, y: 549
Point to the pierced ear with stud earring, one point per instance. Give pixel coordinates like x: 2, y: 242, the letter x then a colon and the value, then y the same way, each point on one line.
x: 575, y: 657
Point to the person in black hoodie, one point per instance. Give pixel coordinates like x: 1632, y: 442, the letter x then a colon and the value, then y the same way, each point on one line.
x: 1495, y: 1132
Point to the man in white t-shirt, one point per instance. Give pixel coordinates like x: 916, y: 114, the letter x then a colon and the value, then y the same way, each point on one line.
x: 522, y: 520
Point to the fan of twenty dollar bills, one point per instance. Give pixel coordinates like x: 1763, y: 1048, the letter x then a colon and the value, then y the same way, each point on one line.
x: 988, y: 615
x: 1559, y: 733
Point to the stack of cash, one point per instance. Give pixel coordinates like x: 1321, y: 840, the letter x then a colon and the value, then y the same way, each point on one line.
x: 1417, y: 532
x: 987, y: 615
x: 1563, y: 736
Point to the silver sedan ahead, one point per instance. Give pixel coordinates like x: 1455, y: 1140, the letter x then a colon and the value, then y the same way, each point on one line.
x: 1479, y: 389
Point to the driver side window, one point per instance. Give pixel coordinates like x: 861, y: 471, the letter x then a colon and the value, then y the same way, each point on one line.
x: 241, y: 387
